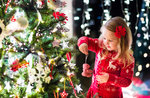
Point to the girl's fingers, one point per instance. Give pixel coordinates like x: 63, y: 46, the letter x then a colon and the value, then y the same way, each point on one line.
x: 98, y: 78
x: 84, y: 48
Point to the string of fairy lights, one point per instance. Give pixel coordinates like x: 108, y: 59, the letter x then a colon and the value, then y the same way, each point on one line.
x: 85, y: 18
x: 143, y: 36
x: 106, y: 11
x: 141, y: 24
x: 126, y: 10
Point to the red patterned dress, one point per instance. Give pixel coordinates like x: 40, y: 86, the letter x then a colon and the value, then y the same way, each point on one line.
x: 119, y: 75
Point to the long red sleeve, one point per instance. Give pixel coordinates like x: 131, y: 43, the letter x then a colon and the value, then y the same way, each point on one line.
x: 93, y: 44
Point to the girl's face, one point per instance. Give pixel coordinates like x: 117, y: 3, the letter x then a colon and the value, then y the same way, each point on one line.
x: 110, y: 41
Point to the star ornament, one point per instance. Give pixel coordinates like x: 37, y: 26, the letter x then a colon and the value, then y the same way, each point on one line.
x: 146, y: 36
x: 56, y: 42
x: 63, y: 4
x: 87, y: 31
x: 64, y: 94
x: 72, y: 65
x: 7, y: 86
x: 107, y: 3
x: 78, y: 88
x: 29, y: 88
x: 65, y: 44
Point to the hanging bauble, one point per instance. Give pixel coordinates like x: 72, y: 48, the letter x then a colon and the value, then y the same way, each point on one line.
x: 20, y: 24
x: 68, y: 55
x: 64, y: 94
x: 54, y: 4
x: 16, y: 65
x: 40, y: 3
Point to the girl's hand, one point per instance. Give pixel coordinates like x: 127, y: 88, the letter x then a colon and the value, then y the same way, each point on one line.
x: 84, y: 48
x: 102, y: 78
x: 96, y: 95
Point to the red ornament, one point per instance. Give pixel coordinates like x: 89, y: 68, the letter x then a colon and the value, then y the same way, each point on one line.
x: 49, y: 1
x: 71, y: 83
x: 64, y: 94
x: 13, y: 19
x: 16, y: 65
x: 16, y: 97
x: 57, y: 15
x: 68, y: 55
x: 51, y: 68
x: 42, y: 2
x: 120, y: 31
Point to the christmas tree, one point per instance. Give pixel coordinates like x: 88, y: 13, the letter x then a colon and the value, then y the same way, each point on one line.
x: 36, y: 55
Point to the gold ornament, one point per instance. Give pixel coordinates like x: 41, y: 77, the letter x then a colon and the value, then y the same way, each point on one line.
x: 53, y: 4
x: 20, y: 24
x: 52, y: 61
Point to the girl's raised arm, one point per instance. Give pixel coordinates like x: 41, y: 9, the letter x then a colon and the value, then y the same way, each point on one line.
x: 86, y: 43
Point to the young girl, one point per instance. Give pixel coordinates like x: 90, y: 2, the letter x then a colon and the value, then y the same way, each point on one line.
x: 114, y: 62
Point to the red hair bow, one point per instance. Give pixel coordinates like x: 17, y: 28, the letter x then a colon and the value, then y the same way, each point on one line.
x: 120, y: 31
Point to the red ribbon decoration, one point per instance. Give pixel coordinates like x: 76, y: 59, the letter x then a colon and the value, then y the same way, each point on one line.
x: 57, y: 15
x: 71, y: 83
x: 7, y: 5
x: 16, y: 65
x: 51, y: 71
x: 68, y: 55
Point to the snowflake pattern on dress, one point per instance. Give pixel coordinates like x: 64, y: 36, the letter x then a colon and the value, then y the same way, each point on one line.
x: 111, y: 66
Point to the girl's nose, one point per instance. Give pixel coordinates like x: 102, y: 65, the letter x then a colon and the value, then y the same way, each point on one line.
x: 107, y: 42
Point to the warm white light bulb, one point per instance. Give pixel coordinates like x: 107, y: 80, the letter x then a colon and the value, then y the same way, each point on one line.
x: 139, y: 44
x: 140, y: 68
x: 143, y: 29
x: 76, y: 18
x: 149, y: 47
x: 137, y: 73
x: 62, y: 79
x: 147, y: 65
x: 145, y: 55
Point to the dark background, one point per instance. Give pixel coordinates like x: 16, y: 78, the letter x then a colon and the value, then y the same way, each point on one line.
x: 95, y: 23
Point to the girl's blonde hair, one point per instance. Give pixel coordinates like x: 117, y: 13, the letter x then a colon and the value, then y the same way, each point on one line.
x: 124, y: 52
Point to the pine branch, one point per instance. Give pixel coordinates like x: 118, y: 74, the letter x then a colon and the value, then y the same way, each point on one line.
x: 24, y: 56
